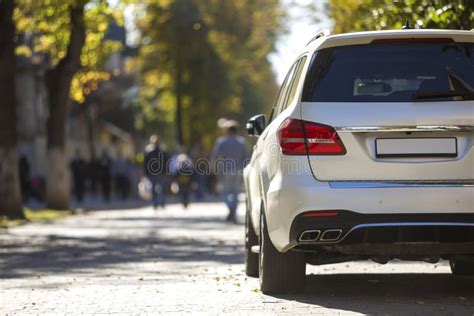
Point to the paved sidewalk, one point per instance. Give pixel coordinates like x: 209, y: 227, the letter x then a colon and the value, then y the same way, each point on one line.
x: 140, y: 261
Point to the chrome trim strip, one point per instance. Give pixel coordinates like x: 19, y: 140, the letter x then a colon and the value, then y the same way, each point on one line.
x: 409, y: 224
x: 391, y: 184
x: 417, y: 128
x: 399, y: 224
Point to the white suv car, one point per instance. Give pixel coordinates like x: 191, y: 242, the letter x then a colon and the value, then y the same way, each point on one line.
x: 367, y: 154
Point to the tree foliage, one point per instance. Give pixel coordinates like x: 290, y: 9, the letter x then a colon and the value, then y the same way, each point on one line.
x: 202, y: 60
x: 366, y: 15
x: 48, y: 24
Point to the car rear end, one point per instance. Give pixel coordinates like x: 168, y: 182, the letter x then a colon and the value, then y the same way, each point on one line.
x: 386, y: 124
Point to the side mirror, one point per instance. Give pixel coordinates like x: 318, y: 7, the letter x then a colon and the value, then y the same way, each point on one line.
x: 256, y: 125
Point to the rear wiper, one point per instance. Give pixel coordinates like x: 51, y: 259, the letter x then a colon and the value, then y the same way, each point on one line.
x: 465, y: 95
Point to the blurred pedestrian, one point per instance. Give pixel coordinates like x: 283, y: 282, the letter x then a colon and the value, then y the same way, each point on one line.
x: 183, y: 172
x: 25, y: 177
x: 38, y: 187
x: 120, y: 171
x: 93, y: 174
x: 105, y: 164
x: 198, y: 155
x: 228, y: 158
x: 79, y: 171
x: 155, y: 165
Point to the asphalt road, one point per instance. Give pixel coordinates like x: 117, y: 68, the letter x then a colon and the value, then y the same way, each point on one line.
x: 139, y: 261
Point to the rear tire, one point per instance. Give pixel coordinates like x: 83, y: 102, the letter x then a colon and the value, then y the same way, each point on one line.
x: 251, y: 239
x: 280, y: 273
x: 462, y: 266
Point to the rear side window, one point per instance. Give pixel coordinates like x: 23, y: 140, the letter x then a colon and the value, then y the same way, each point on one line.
x: 283, y: 92
x: 296, y: 80
x: 389, y: 72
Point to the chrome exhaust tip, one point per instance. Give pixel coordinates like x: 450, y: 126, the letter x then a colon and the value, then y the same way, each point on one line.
x: 309, y: 236
x: 331, y: 235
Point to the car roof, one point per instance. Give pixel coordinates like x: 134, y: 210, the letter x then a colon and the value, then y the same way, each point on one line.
x: 359, y: 38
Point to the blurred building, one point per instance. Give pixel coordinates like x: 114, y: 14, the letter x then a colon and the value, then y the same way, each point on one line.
x: 103, y: 123
x: 32, y: 107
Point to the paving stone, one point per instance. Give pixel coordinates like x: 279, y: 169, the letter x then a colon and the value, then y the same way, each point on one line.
x: 175, y: 261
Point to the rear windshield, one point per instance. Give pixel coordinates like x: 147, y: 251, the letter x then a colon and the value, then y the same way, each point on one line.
x: 388, y: 72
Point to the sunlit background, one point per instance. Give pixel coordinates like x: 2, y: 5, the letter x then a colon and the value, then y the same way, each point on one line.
x: 93, y: 79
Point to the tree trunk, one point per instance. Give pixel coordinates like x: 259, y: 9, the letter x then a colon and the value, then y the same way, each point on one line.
x: 10, y: 195
x: 59, y: 83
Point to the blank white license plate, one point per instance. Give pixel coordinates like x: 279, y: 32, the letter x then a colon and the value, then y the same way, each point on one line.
x: 416, y: 147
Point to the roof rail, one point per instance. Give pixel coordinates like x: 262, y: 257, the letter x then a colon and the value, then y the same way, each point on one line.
x: 320, y: 33
x: 407, y: 25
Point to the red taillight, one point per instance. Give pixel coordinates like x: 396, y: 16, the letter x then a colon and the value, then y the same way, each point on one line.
x: 299, y: 137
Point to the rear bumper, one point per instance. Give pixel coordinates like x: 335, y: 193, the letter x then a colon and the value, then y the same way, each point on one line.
x: 385, y: 234
x: 291, y: 195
